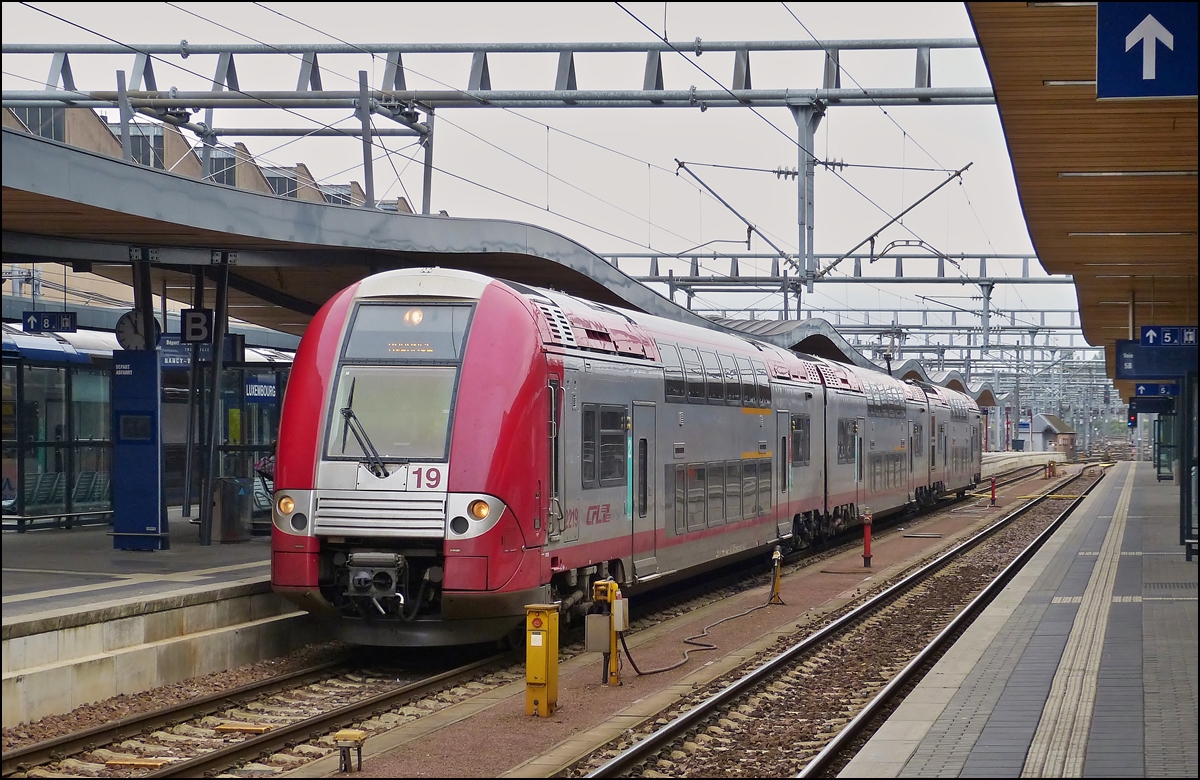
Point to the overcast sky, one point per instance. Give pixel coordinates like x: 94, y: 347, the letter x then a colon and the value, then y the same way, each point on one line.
x: 629, y: 199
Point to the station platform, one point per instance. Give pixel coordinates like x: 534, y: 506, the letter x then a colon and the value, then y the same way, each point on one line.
x: 1084, y: 666
x: 56, y: 569
x: 995, y: 463
x: 83, y: 622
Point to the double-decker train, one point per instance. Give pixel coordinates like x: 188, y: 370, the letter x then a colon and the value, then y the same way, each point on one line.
x: 453, y: 447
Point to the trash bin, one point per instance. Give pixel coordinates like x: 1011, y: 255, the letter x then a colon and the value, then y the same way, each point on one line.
x: 231, y: 515
x: 1018, y: 445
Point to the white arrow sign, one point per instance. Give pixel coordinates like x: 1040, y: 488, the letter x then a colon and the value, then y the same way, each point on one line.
x: 1151, y: 335
x: 1141, y: 389
x: 32, y: 321
x: 1148, y: 31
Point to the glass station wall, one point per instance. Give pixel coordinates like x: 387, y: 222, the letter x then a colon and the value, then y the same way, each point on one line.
x: 57, y: 436
x: 57, y: 444
x: 248, y: 418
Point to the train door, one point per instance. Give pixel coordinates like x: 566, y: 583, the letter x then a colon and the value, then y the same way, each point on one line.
x: 933, y: 439
x: 554, y: 513
x: 912, y: 459
x: 860, y: 457
x: 568, y: 456
x: 644, y: 505
x: 783, y: 424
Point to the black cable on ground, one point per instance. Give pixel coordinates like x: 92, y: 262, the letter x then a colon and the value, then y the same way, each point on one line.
x: 691, y: 640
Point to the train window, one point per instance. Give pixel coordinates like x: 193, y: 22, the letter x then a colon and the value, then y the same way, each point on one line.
x: 918, y: 440
x: 764, y: 486
x: 680, y: 499
x: 695, y: 375
x: 407, y: 332
x: 764, y: 384
x: 555, y: 438
x: 749, y: 392
x: 716, y: 494
x: 696, y: 495
x: 733, y: 491
x: 750, y: 502
x: 845, y: 440
x: 801, y: 439
x: 404, y: 410
x: 784, y: 451
x: 733, y: 385
x: 675, y: 387
x: 642, y: 467
x: 612, y: 445
x: 716, y: 382
x: 588, y: 458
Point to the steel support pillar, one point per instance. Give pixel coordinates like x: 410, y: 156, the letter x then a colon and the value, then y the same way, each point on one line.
x: 987, y: 311
x: 807, y: 117
x: 193, y: 407
x: 427, y: 181
x: 143, y: 298
x: 364, y: 113
x: 220, y: 325
x: 126, y: 115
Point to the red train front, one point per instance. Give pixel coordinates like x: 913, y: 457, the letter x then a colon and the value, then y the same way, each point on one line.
x: 400, y: 514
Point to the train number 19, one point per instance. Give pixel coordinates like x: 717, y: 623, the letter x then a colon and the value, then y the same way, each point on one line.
x: 424, y: 478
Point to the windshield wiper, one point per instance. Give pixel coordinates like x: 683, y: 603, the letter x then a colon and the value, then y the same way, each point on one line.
x: 374, y: 462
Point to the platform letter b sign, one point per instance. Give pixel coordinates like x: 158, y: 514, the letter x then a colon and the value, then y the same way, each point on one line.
x: 196, y: 326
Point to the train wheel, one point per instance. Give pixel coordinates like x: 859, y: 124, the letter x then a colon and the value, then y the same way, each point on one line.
x: 512, y: 641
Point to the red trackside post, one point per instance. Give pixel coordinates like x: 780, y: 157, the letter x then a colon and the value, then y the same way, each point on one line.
x: 867, y: 541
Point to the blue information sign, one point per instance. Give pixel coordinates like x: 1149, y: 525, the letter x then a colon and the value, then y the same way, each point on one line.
x: 1146, y: 50
x: 1155, y: 389
x: 1166, y: 336
x: 48, y: 321
x: 1137, y: 362
x: 1156, y: 405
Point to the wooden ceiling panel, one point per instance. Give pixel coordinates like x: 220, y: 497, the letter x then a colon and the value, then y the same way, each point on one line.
x: 1053, y: 129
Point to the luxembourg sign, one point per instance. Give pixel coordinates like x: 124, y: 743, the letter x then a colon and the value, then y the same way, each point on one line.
x: 1146, y: 50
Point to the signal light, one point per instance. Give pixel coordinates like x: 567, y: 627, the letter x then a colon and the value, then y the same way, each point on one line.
x: 1133, y: 419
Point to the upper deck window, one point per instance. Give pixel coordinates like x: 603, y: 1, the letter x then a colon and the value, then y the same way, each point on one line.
x: 408, y: 332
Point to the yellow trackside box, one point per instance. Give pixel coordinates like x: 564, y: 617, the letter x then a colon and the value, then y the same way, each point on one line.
x: 541, y: 659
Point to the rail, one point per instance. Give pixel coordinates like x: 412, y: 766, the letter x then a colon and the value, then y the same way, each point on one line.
x: 670, y: 732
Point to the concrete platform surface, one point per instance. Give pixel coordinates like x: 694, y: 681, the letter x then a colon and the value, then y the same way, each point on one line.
x: 1085, y: 666
x: 58, y: 569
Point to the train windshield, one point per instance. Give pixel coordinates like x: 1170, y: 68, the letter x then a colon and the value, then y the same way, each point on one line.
x: 404, y: 410
x: 398, y: 375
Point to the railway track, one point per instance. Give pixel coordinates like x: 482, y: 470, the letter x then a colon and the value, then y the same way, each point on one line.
x: 298, y: 711
x: 797, y: 711
x: 287, y: 718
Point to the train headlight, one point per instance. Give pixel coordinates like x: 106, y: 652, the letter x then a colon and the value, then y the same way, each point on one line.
x: 413, y: 317
x: 286, y: 505
x: 478, y: 509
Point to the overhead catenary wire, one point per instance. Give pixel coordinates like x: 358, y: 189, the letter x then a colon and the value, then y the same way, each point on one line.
x: 756, y: 112
x: 445, y: 120
x: 326, y: 126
